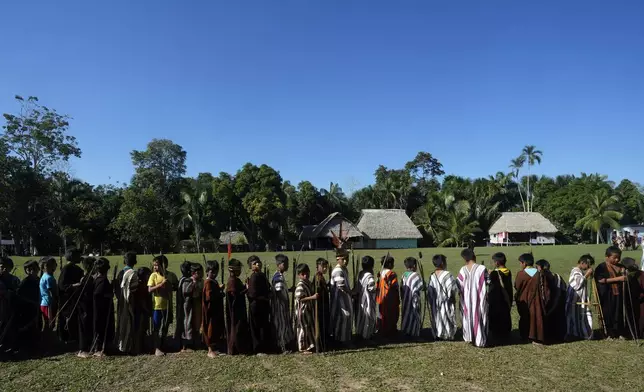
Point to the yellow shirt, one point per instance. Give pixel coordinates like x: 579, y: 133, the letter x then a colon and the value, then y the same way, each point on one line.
x: 160, y: 296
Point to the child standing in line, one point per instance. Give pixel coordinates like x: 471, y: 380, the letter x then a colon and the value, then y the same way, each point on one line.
x: 103, y: 308
x: 48, y: 297
x: 499, y: 295
x: 305, y: 311
x: 578, y: 312
x: 259, y: 307
x: 324, y: 305
x: 367, y: 311
x: 388, y: 299
x: 29, y: 311
x: 236, y: 316
x: 213, y: 325
x: 441, y: 295
x: 411, y: 306
x: 192, y: 291
x: 280, y: 306
x: 171, y: 287
x: 160, y: 289
x: 180, y: 309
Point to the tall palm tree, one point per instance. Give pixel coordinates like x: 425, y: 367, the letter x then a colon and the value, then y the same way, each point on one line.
x: 192, y: 211
x: 600, y: 213
x: 334, y: 196
x: 516, y: 165
x: 532, y: 155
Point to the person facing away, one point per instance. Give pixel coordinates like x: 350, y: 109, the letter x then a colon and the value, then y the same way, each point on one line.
x: 633, y: 293
x: 388, y: 299
x: 86, y: 309
x: 441, y: 295
x: 191, y: 291
x: 103, y: 323
x: 304, y: 312
x: 48, y: 297
x: 143, y: 309
x: 367, y: 311
x: 9, y: 305
x: 69, y: 288
x: 412, y: 287
x: 341, y: 300
x: 324, y: 305
x: 236, y: 316
x: 259, y: 307
x: 213, y: 324
x: 186, y: 277
x: 579, y: 317
x: 29, y: 318
x: 500, y: 299
x: 473, y: 280
x: 553, y: 303
x: 128, y: 287
x: 280, y: 305
x: 523, y: 279
x: 609, y: 277
x: 161, y: 290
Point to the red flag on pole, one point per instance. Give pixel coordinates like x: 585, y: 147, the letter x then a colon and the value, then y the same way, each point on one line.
x: 230, y: 249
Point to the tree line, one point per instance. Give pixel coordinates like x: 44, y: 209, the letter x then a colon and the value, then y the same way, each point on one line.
x: 45, y: 209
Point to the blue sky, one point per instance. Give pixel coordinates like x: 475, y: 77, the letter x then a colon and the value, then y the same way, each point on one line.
x: 327, y: 90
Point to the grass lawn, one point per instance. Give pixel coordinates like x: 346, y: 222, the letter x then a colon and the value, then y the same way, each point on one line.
x: 592, y: 365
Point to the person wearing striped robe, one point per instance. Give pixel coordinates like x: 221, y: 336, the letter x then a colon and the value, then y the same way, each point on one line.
x: 129, y: 285
x: 472, y: 281
x: 412, y: 286
x: 280, y: 307
x: 578, y: 312
x: 341, y: 306
x: 366, y: 312
x: 441, y: 295
x: 305, y: 311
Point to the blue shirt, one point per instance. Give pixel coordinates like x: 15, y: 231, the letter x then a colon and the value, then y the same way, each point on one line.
x: 47, y: 284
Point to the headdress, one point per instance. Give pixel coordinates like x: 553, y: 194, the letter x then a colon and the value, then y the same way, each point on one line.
x: 340, y: 242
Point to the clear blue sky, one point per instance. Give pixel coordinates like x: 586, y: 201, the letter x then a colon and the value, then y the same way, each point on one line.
x: 326, y: 90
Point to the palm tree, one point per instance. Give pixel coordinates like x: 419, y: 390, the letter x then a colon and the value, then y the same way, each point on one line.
x: 334, y: 196
x: 532, y: 155
x: 516, y: 165
x: 457, y: 227
x: 600, y: 212
x: 193, y: 211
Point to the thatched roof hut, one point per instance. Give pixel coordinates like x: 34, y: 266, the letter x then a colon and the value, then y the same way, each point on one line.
x: 512, y: 227
x: 388, y: 229
x: 322, y: 231
x: 307, y: 232
x: 233, y: 237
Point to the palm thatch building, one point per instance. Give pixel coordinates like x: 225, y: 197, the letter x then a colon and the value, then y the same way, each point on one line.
x: 237, y: 239
x: 388, y: 229
x: 522, y: 227
x: 320, y: 235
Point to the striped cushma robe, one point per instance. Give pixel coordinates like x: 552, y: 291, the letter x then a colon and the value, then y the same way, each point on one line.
x: 474, y: 306
x: 579, y: 316
x: 441, y: 294
x: 367, y: 312
x: 411, y: 306
x: 304, y: 316
x: 341, y: 307
x: 281, y: 314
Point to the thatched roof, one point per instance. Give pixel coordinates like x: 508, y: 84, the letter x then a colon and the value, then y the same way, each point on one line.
x: 307, y: 232
x: 332, y: 223
x: 233, y: 237
x: 522, y: 222
x: 387, y: 225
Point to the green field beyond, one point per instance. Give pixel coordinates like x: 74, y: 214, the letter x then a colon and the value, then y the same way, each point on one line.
x: 591, y: 365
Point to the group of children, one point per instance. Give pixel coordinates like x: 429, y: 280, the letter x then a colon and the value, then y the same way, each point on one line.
x: 262, y: 315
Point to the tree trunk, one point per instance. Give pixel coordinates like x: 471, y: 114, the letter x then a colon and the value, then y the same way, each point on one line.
x: 528, y: 195
x: 598, y: 236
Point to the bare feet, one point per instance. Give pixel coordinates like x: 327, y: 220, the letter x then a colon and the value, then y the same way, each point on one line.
x: 83, y: 354
x: 306, y: 352
x: 99, y: 354
x: 211, y: 354
x: 187, y: 350
x: 159, y: 353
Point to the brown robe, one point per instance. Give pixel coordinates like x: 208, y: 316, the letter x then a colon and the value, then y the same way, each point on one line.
x: 237, y: 317
x: 520, y: 285
x: 212, y: 307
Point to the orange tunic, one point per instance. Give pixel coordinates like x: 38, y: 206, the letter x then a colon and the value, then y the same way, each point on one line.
x: 388, y: 300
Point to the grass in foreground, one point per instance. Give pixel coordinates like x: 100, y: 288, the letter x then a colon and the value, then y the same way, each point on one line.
x: 593, y: 365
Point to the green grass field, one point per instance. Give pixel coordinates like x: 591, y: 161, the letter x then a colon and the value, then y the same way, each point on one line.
x: 592, y: 365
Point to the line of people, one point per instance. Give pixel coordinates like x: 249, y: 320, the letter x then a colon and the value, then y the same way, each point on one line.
x: 262, y: 316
